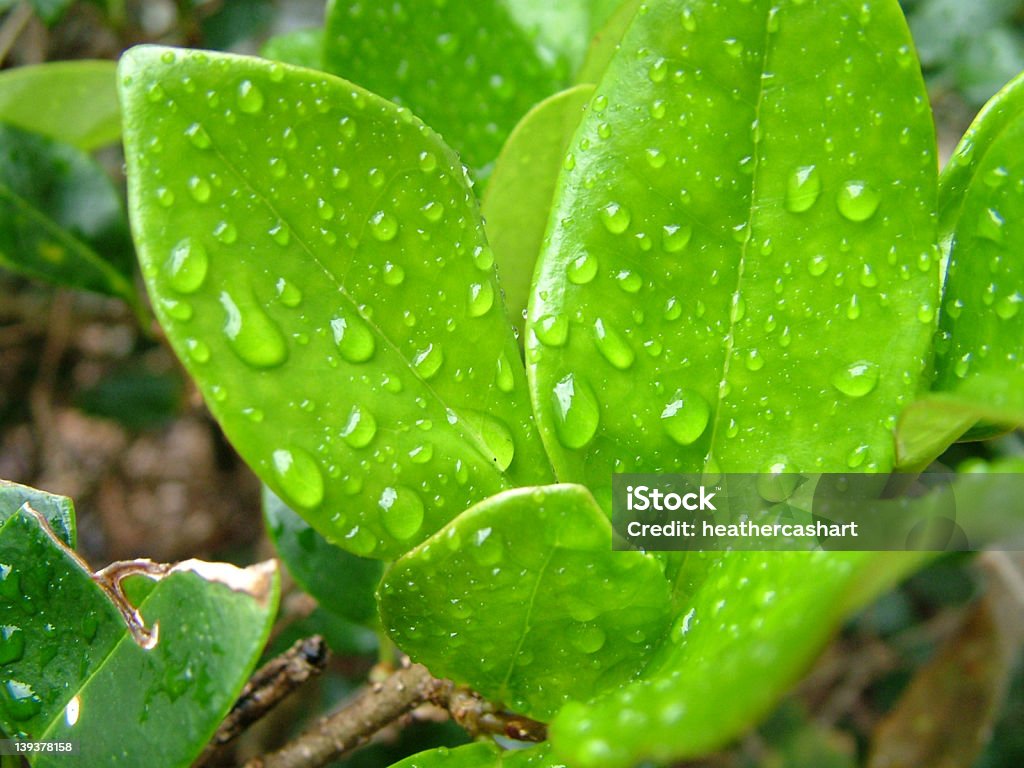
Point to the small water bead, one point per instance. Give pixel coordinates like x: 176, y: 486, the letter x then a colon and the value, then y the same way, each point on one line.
x: 187, y: 266
x: 779, y: 478
x: 165, y: 197
x: 481, y: 298
x: 433, y: 211
x: 963, y: 366
x: 394, y: 274
x: 324, y: 209
x: 926, y: 313
x: 686, y: 416
x: 587, y: 638
x: 552, y: 330
x: 615, y: 218
x: 996, y: 177
x: 376, y: 178
x: 582, y: 269
x: 853, y: 308
x: 754, y: 361
x: 177, y: 310
x: 253, y: 336
x: 299, y: 477
x: 990, y: 225
x: 280, y: 233
x: 289, y: 294
x: 340, y: 178
x: 198, y: 136
x: 803, y: 189
x: 733, y: 47
x: 198, y: 350
x: 353, y: 338
x: 629, y: 281
x: 857, y: 201
x: 857, y: 456
x: 655, y: 157
x: 613, y: 346
x: 688, y: 20
x: 504, y: 377
x: 1009, y: 306
x: 383, y: 226
x: 289, y: 139
x: 428, y: 361
x: 856, y: 379
x: 226, y: 233
x: 673, y: 309
x: 250, y: 97
x: 278, y: 167
x: 675, y: 237
x: 427, y: 162
x: 360, y: 427
x: 422, y: 454
x: 483, y: 257
x: 199, y: 188
x: 576, y: 411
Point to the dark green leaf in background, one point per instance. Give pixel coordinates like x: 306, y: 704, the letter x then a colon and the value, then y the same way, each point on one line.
x: 318, y: 262
x: 303, y: 48
x: 61, y: 219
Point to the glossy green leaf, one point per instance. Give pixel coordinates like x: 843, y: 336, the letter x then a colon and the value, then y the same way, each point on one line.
x: 752, y: 629
x: 982, y: 220
x: 74, y: 102
x: 341, y: 582
x: 523, y: 598
x: 58, y: 511
x: 303, y: 48
x: 482, y: 755
x: 518, y: 197
x: 727, y: 264
x: 50, y: 11
x: 318, y: 262
x: 69, y: 660
x: 61, y: 219
x: 470, y: 70
x: 605, y: 42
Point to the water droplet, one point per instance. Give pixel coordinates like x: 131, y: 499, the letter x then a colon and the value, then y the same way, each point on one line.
x: 289, y: 139
x: 868, y: 278
x: 778, y: 479
x: 225, y: 232
x: 963, y: 365
x: 857, y: 379
x: 401, y: 511
x: 733, y: 47
x: 394, y: 274
x: 20, y: 700
x: 857, y: 456
x: 817, y: 265
x: 688, y: 20
x: 250, y: 97
x: 324, y: 209
x: 280, y: 233
x: 422, y: 454
x: 576, y: 412
x: 1008, y: 306
x: 629, y: 281
x: 198, y: 350
x: 187, y: 266
x: 427, y: 161
x: 738, y: 308
x: 168, y: 57
x: 428, y: 361
x: 582, y: 269
x: 754, y: 361
x: 857, y: 201
x: 298, y: 474
x: 853, y: 308
x: 384, y: 226
x: 354, y: 338
x: 587, y: 638
x: 165, y: 197
x: 488, y: 549
x: 990, y: 225
x: 552, y: 330
x: 613, y: 346
x: 155, y: 93
x: 481, y: 298
x: 483, y: 257
x: 503, y: 375
x: 252, y: 334
x: 615, y: 218
x: 198, y: 136
x: 495, y: 435
x: 803, y: 188
x: 996, y: 177
x: 278, y: 167
x: 658, y: 70
x: 686, y: 417
x: 178, y: 310
x: 199, y: 188
x: 675, y: 237
x: 340, y: 178
x: 433, y: 211
x: 12, y: 644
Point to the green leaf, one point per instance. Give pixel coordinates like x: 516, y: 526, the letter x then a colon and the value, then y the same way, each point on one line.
x: 469, y: 70
x: 482, y: 755
x: 518, y: 197
x: 61, y: 219
x: 70, y: 661
x: 341, y: 582
x: 50, y: 11
x: 74, y: 102
x: 606, y: 41
x: 727, y: 264
x: 753, y: 627
x: 58, y: 511
x: 318, y: 262
x: 523, y: 598
x: 303, y: 48
x: 982, y: 220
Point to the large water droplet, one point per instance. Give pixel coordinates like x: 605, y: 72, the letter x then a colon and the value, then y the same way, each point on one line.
x: 675, y: 237
x: 615, y: 218
x: 250, y: 97
x: 587, y: 638
x: 198, y: 136
x: 360, y: 427
x: 1008, y: 306
x: 857, y: 201
x: 990, y: 225
x: 226, y: 232
x: 481, y: 298
x: 383, y: 226
x: 199, y: 188
x: 20, y: 700
x: 354, y: 338
x: 503, y: 374
x: 803, y: 188
x: 289, y: 294
x: 12, y: 644
x: 401, y: 511
x: 612, y: 345
x: 778, y: 480
x: 253, y: 336
x: 552, y: 330
x: 576, y: 412
x: 582, y: 269
x: 299, y: 477
x: 495, y: 435
x: 187, y: 266
x: 857, y: 379
x: 428, y: 361
x: 686, y: 417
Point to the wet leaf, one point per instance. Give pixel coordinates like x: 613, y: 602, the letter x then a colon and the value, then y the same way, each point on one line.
x: 982, y: 219
x: 74, y: 102
x: 69, y: 660
x: 318, y: 262
x: 61, y: 220
x: 523, y: 598
x: 303, y: 48
x: 481, y: 755
x: 605, y: 41
x: 727, y: 264
x: 469, y: 70
x: 58, y: 511
x: 341, y: 582
x: 518, y: 197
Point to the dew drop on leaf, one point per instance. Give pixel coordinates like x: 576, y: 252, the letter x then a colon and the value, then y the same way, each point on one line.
x: 299, y: 477
x: 428, y: 361
x: 576, y: 411
x: 226, y: 232
x: 495, y: 435
x: 857, y: 379
x: 615, y: 218
x: 199, y: 188
x: 353, y: 338
x: 198, y: 350
x: 250, y: 97
x: 778, y: 479
x: 359, y: 428
x: 587, y: 638
x: 401, y: 511
x: 383, y: 226
x: 582, y: 269
x: 802, y: 189
x: 857, y: 201
x: 12, y: 644
x: 481, y: 298
x: 198, y: 136
x: 675, y: 237
x: 686, y: 417
x: 552, y: 330
x: 187, y: 266
x: 503, y: 377
x: 251, y: 334
x: 990, y: 225
x: 1008, y: 306
x: 612, y: 345
x: 20, y: 700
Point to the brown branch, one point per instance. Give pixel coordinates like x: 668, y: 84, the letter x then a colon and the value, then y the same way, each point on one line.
x: 268, y: 686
